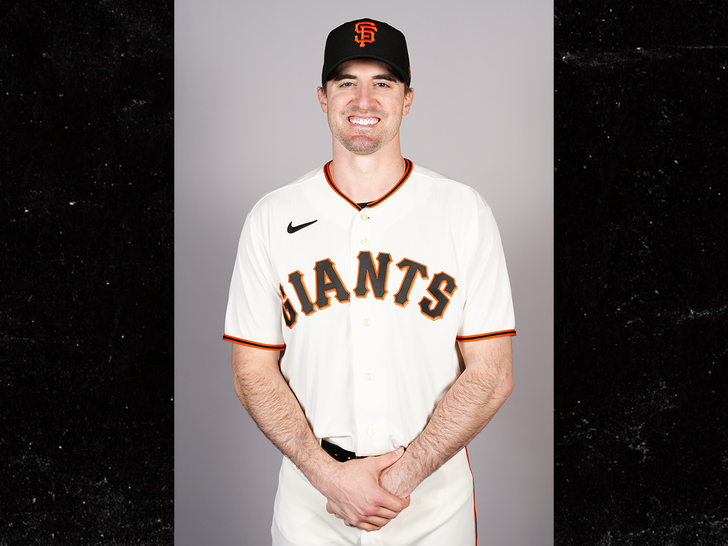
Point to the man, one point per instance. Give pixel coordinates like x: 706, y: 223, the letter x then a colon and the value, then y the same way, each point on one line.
x: 370, y: 311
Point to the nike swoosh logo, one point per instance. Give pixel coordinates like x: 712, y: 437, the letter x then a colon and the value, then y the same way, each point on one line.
x: 292, y: 229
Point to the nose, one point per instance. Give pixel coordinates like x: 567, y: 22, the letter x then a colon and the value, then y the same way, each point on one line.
x: 364, y: 97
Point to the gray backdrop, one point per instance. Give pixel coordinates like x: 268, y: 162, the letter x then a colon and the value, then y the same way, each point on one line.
x: 247, y: 121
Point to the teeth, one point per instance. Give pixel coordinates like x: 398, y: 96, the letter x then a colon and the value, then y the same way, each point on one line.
x: 363, y: 121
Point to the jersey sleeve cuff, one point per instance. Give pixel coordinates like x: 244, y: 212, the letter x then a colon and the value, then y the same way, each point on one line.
x: 478, y: 337
x: 254, y: 344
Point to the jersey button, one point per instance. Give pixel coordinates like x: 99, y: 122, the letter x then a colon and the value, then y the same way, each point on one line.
x: 370, y: 431
x: 366, y: 322
x: 364, y: 216
x: 368, y: 376
x: 364, y: 242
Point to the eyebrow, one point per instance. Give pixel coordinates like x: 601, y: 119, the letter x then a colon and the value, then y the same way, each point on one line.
x: 385, y: 76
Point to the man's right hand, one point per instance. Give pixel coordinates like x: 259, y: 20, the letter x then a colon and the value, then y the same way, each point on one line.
x: 356, y: 496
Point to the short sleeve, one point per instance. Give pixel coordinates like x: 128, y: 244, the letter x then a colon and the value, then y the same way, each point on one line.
x: 253, y: 315
x: 488, y: 309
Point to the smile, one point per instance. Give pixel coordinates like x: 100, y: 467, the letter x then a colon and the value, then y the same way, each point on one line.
x: 363, y: 121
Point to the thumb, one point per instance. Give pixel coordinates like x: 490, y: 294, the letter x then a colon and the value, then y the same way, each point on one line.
x: 388, y: 459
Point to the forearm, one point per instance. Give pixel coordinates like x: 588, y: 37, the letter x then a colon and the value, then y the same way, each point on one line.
x: 467, y: 407
x: 265, y: 394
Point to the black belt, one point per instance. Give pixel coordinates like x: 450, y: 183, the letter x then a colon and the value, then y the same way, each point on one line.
x: 339, y: 453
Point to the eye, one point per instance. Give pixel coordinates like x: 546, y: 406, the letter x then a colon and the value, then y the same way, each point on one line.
x: 347, y: 84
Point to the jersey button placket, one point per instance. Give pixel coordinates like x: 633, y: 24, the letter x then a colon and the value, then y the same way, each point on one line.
x: 367, y: 390
x: 364, y: 341
x: 360, y: 344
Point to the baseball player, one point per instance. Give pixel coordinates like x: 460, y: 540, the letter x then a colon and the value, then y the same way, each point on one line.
x: 371, y: 315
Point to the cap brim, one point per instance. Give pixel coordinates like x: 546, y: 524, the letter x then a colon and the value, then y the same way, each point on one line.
x: 403, y: 77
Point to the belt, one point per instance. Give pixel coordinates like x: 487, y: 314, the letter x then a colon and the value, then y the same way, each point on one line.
x: 338, y: 453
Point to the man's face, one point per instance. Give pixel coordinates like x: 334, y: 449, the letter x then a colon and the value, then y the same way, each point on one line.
x: 364, y: 105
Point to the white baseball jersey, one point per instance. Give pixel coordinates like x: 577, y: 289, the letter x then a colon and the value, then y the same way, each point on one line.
x: 368, y: 303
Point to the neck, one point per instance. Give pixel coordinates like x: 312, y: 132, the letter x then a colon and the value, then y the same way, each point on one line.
x: 364, y: 178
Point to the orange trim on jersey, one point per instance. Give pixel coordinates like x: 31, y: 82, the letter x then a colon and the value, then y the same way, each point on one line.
x: 465, y: 339
x: 407, y: 171
x: 264, y: 346
x: 475, y: 513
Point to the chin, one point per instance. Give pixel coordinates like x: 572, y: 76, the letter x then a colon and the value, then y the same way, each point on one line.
x: 361, y: 146
x: 361, y: 150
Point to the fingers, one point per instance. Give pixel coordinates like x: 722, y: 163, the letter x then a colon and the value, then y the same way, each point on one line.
x: 378, y: 514
x: 387, y: 505
x: 362, y: 521
x: 372, y: 523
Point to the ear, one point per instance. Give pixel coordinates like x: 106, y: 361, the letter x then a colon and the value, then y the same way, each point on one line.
x: 408, y: 101
x: 322, y: 99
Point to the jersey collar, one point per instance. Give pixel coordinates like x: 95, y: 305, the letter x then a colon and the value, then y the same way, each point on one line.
x: 405, y: 176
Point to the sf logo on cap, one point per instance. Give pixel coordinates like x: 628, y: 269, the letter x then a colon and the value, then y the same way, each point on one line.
x: 365, y: 32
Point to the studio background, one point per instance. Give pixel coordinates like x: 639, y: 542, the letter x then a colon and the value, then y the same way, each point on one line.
x: 247, y: 121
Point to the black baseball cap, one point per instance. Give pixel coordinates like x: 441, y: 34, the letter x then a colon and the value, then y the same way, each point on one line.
x: 366, y: 39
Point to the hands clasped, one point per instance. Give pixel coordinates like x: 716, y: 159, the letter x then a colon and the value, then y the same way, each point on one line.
x: 358, y: 497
